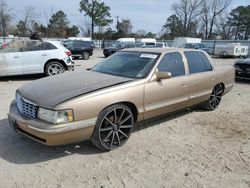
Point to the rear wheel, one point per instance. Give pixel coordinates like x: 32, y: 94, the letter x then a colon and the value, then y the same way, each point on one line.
x: 113, y: 128
x: 54, y: 68
x: 215, y: 98
x: 85, y: 55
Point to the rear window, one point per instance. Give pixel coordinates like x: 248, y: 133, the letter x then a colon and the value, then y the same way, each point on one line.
x: 49, y: 46
x: 197, y: 62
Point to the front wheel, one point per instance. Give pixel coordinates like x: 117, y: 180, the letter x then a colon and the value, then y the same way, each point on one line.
x: 215, y: 98
x: 113, y: 128
x: 54, y: 68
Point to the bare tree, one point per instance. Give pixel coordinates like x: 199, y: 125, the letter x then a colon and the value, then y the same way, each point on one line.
x: 85, y: 27
x: 30, y: 14
x: 5, y: 17
x: 187, y: 11
x: 223, y: 27
x: 125, y: 27
x: 211, y: 9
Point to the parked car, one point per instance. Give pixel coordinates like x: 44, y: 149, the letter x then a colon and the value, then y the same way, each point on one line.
x: 119, y: 46
x: 242, y: 69
x: 34, y: 57
x: 231, y: 50
x: 79, y: 48
x: 104, y: 102
x: 199, y: 46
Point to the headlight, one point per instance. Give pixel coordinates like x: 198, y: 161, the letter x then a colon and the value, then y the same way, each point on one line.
x: 55, y: 117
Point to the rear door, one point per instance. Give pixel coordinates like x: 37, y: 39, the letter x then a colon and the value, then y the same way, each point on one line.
x: 10, y: 61
x: 33, y: 57
x: 167, y: 95
x: 201, y: 76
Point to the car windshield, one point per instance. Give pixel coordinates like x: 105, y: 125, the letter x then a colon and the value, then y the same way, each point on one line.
x: 127, y: 64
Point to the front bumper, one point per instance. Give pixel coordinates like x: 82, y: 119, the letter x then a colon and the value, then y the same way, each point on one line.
x: 50, y: 134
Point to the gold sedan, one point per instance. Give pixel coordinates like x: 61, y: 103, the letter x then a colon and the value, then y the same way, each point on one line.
x: 103, y: 103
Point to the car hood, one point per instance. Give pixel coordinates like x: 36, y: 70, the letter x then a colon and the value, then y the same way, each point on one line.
x: 243, y: 62
x: 51, y: 91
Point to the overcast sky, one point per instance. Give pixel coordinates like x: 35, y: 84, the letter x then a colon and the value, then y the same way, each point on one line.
x: 149, y: 15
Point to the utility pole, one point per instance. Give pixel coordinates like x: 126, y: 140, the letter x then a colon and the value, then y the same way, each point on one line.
x: 117, y: 23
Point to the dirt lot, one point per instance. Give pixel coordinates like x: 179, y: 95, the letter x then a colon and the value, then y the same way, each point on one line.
x: 192, y: 148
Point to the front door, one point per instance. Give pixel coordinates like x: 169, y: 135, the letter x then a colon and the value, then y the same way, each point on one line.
x: 170, y: 94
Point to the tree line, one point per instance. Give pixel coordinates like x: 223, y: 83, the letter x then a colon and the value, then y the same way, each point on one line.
x: 207, y: 19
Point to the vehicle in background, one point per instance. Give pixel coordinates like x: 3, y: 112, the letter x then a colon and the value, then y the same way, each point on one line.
x: 119, y: 46
x: 34, y: 57
x: 79, y: 48
x: 147, y: 41
x: 231, y: 50
x: 104, y: 103
x: 180, y: 41
x: 242, y: 69
x: 199, y: 46
x: 123, y: 40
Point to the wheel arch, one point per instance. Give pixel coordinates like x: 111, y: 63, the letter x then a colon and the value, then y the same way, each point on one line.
x: 55, y: 60
x: 130, y: 105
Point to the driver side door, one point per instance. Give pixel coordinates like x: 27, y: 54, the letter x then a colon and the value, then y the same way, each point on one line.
x: 167, y: 95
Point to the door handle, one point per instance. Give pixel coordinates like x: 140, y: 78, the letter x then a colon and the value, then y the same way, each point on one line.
x: 184, y: 84
x: 44, y: 54
x: 212, y: 79
x: 16, y: 56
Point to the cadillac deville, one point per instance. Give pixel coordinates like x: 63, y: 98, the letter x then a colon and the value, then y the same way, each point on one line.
x: 103, y: 103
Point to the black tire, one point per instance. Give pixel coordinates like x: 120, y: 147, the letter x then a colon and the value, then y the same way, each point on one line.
x: 113, y: 127
x: 54, y: 68
x: 215, y: 98
x: 85, y: 55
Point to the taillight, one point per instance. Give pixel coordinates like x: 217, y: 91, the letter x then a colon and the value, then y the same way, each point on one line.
x: 68, y: 53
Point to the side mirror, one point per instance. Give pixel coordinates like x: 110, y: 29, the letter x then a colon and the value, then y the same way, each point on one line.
x: 162, y: 75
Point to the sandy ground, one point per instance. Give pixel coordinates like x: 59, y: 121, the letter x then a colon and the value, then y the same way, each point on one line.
x: 192, y: 148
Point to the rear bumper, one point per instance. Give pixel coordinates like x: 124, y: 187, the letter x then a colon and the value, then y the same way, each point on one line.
x: 50, y: 134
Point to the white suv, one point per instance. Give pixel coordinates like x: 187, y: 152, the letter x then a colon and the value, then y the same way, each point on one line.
x: 34, y: 57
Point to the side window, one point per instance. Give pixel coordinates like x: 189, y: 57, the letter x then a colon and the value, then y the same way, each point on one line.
x: 172, y: 62
x: 49, y: 46
x: 33, y: 46
x: 68, y: 44
x: 197, y: 62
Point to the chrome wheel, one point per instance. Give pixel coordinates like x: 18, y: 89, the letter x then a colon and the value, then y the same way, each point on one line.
x: 114, y: 128
x: 215, y: 97
x: 55, y: 69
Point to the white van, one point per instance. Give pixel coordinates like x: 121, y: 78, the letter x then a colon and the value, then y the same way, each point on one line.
x: 126, y: 40
x: 147, y: 41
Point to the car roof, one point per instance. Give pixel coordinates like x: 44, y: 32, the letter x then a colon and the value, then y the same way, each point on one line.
x: 159, y: 50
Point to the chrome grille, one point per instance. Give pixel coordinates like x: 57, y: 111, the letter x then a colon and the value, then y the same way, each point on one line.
x: 26, y: 107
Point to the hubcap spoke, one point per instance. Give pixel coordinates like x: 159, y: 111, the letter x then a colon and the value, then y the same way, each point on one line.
x: 118, y: 138
x: 106, y: 138
x: 123, y: 110
x: 115, y: 116
x: 126, y: 126
x: 112, y: 140
x: 123, y: 133
x: 126, y: 119
x: 107, y: 119
x: 106, y: 129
